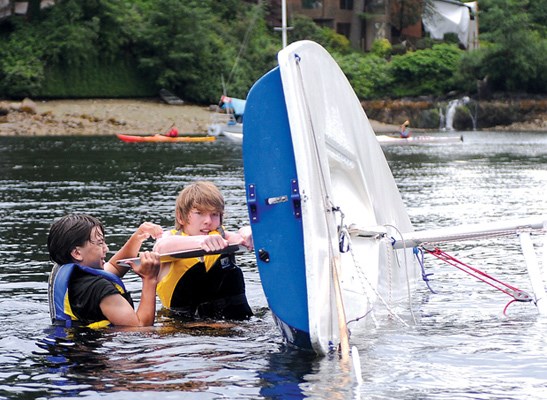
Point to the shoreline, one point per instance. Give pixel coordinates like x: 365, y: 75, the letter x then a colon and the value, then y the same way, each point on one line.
x: 104, y: 117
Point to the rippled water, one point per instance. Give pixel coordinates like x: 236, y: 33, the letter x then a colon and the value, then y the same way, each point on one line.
x: 461, y: 346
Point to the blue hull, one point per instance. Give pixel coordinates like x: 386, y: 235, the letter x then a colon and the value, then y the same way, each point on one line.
x: 274, y: 208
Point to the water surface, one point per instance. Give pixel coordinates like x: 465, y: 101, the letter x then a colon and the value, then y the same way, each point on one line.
x: 461, y: 345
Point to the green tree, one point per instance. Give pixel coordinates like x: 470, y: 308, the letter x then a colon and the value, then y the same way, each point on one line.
x: 253, y: 48
x: 178, y: 46
x: 21, y: 58
x: 198, y: 48
x: 516, y: 57
x: 21, y: 71
x: 429, y: 71
x: 368, y: 75
x: 305, y: 29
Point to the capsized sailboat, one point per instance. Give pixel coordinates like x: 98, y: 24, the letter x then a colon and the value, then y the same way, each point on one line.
x: 328, y: 221
x: 312, y: 167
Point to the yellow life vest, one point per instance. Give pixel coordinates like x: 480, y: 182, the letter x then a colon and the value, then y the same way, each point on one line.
x: 177, y: 269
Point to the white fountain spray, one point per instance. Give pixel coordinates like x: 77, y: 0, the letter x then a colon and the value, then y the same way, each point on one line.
x: 451, y: 111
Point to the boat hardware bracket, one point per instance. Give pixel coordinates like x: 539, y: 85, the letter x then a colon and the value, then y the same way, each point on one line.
x: 264, y: 255
x: 370, y: 232
x: 276, y: 200
x: 251, y: 202
x: 344, y: 240
x: 520, y: 295
x: 296, y: 200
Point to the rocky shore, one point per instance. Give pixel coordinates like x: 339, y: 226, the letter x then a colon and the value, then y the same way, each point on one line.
x: 500, y: 113
x: 134, y: 116
x: 99, y: 117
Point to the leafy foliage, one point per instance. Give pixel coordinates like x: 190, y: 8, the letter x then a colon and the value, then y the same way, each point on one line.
x: 188, y: 47
x: 515, y: 58
x: 175, y: 46
x: 202, y: 48
x: 381, y: 48
x: 95, y: 79
x: 305, y: 29
x: 369, y: 76
x: 428, y: 71
x: 21, y: 72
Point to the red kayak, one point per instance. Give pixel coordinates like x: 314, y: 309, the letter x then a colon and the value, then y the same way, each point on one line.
x: 164, y: 139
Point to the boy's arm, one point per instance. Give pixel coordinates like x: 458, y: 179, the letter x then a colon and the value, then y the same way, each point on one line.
x: 244, y: 236
x: 117, y: 309
x: 132, y: 246
x: 174, y: 243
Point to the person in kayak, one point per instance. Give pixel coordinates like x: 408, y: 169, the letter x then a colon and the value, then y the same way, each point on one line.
x: 404, y: 130
x: 211, y: 286
x: 83, y: 289
x: 173, y: 132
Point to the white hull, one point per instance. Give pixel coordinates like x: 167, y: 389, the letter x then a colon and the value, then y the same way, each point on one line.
x: 221, y: 122
x: 386, y: 140
x: 233, y: 132
x: 340, y: 165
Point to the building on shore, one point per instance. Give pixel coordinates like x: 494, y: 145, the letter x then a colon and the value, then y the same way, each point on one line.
x: 399, y: 21
x: 361, y: 21
x: 12, y: 7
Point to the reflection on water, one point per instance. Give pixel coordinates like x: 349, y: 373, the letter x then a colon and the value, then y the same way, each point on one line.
x: 166, y: 358
x: 461, y: 346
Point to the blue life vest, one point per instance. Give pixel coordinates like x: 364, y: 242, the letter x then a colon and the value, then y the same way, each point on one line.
x: 59, y: 304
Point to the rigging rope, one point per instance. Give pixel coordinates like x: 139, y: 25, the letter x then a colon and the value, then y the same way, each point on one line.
x: 363, y: 279
x: 406, y: 270
x: 328, y: 208
x: 419, y: 253
x: 243, y: 45
x: 512, y: 291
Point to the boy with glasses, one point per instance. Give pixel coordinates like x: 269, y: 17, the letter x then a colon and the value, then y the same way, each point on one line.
x: 86, y: 290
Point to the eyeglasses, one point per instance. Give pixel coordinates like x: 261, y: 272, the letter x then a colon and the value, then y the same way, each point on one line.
x: 99, y: 243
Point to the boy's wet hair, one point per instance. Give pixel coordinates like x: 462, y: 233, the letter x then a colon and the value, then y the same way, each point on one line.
x: 201, y: 195
x: 68, y: 232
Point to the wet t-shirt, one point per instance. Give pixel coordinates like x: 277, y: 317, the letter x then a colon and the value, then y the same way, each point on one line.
x: 86, y: 291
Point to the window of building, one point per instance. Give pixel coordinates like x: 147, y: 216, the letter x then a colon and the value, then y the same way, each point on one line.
x: 346, y: 4
x: 343, y: 29
x: 375, y: 6
x: 312, y: 4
